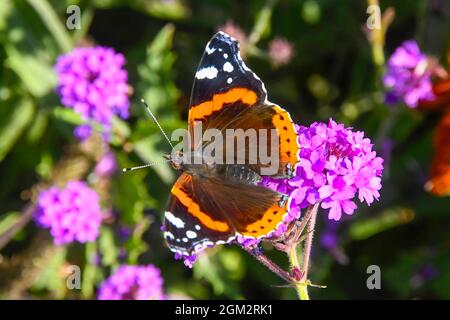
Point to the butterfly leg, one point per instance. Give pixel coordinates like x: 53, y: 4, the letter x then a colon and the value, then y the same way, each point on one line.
x: 297, y: 235
x: 294, y: 234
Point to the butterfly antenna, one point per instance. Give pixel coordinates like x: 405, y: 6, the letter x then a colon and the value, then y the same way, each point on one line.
x: 156, y: 121
x: 143, y: 166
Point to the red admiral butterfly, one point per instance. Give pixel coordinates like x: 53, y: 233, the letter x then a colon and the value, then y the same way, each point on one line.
x: 213, y: 203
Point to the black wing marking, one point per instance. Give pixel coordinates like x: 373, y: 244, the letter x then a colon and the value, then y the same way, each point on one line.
x: 222, y: 68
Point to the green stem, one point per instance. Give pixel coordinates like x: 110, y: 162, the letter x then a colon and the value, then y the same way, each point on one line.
x: 301, y: 285
x: 262, y: 22
x: 377, y: 40
x: 302, y: 291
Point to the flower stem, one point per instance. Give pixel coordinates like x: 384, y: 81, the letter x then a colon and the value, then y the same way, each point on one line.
x: 309, y: 240
x: 300, y: 274
x: 301, y: 288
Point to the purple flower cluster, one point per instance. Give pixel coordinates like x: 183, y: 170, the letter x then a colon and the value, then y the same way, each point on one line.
x: 93, y: 82
x: 71, y: 214
x: 408, y: 77
x: 133, y: 283
x: 336, y: 164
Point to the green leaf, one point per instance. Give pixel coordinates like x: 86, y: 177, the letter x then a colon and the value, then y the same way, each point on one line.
x: 262, y: 26
x: 5, y: 11
x: 53, y: 24
x: 157, y: 79
x: 391, y: 218
x: 14, y: 119
x: 136, y: 245
x: 38, y: 77
x: 129, y: 194
x: 90, y: 271
x: 212, y: 269
x: 174, y: 10
x: 38, y: 126
x: 67, y: 115
x: 108, y: 247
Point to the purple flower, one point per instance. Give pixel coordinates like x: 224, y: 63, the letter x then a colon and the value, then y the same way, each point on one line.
x: 336, y: 165
x: 330, y: 240
x: 106, y: 166
x: 408, y: 77
x: 83, y: 131
x: 71, y: 214
x: 93, y: 82
x: 423, y: 275
x: 246, y: 242
x: 188, y: 260
x: 133, y: 283
x: 280, y: 51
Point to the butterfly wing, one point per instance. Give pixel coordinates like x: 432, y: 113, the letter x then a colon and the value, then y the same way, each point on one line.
x: 221, y: 68
x: 228, y: 95
x: 214, y: 208
x: 206, y: 211
x: 188, y: 227
x: 439, y: 182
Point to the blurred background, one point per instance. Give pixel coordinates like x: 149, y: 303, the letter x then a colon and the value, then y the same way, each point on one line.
x: 317, y: 59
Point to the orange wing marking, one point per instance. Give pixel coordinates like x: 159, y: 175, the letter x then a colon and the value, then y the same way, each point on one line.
x: 206, y: 108
x: 194, y: 209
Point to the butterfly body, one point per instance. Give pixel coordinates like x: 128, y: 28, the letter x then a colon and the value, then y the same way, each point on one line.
x: 216, y: 198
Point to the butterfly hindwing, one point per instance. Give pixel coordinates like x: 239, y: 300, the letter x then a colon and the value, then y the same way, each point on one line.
x: 187, y: 227
x: 204, y: 211
x: 261, y: 124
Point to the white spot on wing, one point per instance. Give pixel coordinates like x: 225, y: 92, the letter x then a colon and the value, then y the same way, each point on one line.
x: 208, y: 72
x: 168, y: 234
x: 197, y: 227
x: 209, y: 50
x: 191, y: 234
x: 228, y: 67
x: 229, y: 80
x: 185, y: 239
x: 225, y: 55
x: 177, y: 222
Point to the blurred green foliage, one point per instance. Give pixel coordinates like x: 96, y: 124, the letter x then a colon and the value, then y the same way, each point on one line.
x: 331, y: 75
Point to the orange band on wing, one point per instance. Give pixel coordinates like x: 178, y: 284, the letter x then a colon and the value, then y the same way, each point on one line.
x: 206, y: 108
x: 194, y: 209
x: 289, y: 147
x: 268, y: 222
